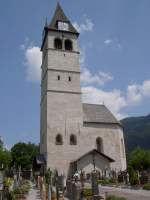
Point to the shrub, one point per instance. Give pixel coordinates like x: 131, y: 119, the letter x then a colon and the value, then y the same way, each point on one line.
x: 7, y: 182
x: 146, y: 186
x: 10, y: 196
x: 87, y: 192
x: 18, y: 191
x: 115, y: 198
x: 104, y: 182
x: 134, y: 179
x: 21, y: 190
x: 24, y: 189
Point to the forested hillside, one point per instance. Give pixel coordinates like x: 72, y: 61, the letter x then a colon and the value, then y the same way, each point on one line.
x: 137, y: 132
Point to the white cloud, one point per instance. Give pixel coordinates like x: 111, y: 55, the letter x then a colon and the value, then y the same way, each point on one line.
x: 112, y: 99
x: 134, y: 95
x: 33, y: 61
x: 136, y: 92
x: 146, y: 88
x: 108, y: 41
x: 82, y: 56
x: 92, y: 93
x: 25, y: 44
x: 115, y: 100
x: 87, y: 78
x: 87, y: 26
x: 113, y: 43
x: 105, y: 76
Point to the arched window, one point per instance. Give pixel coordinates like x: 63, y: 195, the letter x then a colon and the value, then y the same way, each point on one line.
x: 58, y: 77
x: 73, y: 140
x: 68, y: 45
x: 59, y: 140
x: 58, y: 43
x: 69, y: 78
x: 99, y: 144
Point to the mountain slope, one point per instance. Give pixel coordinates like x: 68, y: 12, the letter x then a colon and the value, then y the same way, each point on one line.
x: 136, y: 132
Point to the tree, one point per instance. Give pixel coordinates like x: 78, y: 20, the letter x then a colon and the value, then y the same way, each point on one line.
x: 23, y: 154
x: 5, y: 158
x: 1, y: 143
x: 139, y: 159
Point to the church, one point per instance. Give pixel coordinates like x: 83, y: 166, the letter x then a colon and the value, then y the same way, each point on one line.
x: 73, y: 135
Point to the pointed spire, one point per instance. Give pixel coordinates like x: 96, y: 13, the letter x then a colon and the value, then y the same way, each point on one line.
x: 46, y: 23
x: 59, y: 15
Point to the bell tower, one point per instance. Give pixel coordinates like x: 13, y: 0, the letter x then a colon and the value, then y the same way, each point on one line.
x: 61, y: 107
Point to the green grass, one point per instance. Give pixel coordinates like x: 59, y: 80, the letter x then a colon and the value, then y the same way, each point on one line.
x: 115, y: 198
x: 146, y: 186
x: 87, y: 192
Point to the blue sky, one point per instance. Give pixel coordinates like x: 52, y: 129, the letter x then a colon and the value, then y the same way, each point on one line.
x: 115, y: 48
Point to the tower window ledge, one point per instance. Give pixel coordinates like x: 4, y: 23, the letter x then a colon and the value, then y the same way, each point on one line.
x: 63, y: 50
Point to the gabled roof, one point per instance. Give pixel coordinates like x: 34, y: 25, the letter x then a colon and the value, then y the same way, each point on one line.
x: 60, y: 16
x: 98, y: 114
x: 93, y: 152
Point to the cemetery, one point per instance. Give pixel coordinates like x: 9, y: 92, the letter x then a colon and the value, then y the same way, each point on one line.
x: 19, y: 176
x: 81, y: 154
x: 16, y: 185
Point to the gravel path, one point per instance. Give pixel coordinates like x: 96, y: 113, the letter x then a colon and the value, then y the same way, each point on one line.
x: 34, y: 194
x: 129, y: 194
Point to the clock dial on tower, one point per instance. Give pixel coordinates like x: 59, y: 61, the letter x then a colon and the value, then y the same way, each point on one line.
x: 63, y: 26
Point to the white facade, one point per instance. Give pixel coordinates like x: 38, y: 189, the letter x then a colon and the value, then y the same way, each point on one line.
x: 62, y: 114
x: 86, y: 164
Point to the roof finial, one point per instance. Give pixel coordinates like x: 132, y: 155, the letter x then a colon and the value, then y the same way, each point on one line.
x: 46, y: 23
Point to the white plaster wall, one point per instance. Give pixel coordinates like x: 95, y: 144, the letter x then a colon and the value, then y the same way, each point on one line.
x: 111, y: 136
x: 61, y: 156
x: 64, y: 84
x: 61, y: 113
x: 63, y: 60
x: 86, y: 164
x: 43, y: 126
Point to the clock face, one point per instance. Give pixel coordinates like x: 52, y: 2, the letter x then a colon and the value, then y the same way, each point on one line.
x: 63, y: 26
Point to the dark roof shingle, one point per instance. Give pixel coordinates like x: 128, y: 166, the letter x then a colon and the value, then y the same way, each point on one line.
x: 60, y: 16
x: 98, y: 114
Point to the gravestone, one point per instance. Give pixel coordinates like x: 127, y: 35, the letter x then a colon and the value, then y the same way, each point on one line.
x: 15, y: 184
x: 60, y: 185
x: 69, y: 188
x: 1, y: 180
x: 1, y: 184
x: 95, y: 187
x: 144, y: 178
x: 76, y: 190
x: 127, y: 178
x: 95, y: 190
